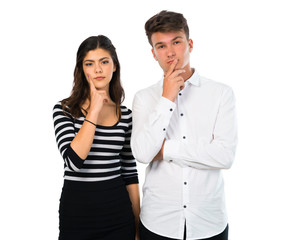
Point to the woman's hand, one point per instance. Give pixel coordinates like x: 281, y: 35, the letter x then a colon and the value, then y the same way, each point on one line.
x: 97, y: 98
x: 137, y: 237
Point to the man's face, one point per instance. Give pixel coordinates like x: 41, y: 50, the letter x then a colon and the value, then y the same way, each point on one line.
x: 169, y: 46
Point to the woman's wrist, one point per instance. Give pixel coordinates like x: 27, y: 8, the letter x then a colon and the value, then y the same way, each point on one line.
x: 92, y: 116
x: 94, y: 124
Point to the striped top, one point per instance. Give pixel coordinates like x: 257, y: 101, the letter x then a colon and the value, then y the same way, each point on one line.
x: 110, y: 155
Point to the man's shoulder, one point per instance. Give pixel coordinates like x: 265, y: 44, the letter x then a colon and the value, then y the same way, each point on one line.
x: 210, y: 83
x: 153, y: 89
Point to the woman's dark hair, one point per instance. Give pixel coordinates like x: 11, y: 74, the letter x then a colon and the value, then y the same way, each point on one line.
x: 81, y: 89
x: 166, y: 21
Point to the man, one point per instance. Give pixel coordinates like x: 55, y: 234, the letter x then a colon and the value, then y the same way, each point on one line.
x: 185, y: 128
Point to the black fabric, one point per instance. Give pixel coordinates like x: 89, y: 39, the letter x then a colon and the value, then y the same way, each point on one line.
x: 96, y: 210
x: 145, y: 234
x: 221, y: 236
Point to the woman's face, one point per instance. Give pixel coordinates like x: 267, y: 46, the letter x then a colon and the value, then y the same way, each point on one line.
x: 98, y: 67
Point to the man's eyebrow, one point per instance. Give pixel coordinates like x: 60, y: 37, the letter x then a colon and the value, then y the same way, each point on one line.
x: 174, y: 39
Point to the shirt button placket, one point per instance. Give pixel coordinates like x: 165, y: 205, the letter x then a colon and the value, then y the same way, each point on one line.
x: 185, y: 191
x: 182, y: 115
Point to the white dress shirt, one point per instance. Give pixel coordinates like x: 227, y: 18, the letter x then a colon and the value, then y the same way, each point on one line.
x: 201, y: 137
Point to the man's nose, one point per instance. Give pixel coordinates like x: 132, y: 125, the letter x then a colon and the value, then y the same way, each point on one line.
x: 170, y: 51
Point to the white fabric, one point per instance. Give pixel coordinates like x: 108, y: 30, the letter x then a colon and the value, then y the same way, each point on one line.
x: 201, y: 137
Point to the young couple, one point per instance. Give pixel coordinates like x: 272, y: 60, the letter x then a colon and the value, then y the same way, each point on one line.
x: 183, y: 127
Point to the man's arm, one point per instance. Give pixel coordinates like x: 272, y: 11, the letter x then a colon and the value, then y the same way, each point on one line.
x: 149, y: 127
x: 215, y: 153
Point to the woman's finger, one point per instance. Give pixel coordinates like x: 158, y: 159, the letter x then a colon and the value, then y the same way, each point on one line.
x: 91, y: 85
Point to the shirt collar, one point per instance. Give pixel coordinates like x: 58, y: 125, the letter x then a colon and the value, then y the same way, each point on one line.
x: 194, y: 79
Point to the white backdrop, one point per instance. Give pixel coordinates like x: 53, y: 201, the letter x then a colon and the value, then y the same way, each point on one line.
x: 235, y: 42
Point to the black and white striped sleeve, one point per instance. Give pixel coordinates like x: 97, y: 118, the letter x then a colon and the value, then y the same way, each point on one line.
x: 128, y: 162
x: 65, y: 133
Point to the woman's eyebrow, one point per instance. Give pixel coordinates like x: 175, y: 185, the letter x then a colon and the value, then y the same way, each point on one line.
x: 101, y: 59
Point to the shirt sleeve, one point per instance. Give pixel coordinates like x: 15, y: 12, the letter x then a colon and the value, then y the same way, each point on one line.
x: 216, y: 154
x: 64, y: 134
x: 129, y: 167
x: 149, y: 127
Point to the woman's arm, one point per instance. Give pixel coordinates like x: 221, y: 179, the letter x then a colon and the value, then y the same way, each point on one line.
x: 82, y: 143
x: 134, y: 195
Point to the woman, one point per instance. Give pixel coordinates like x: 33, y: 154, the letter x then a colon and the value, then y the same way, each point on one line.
x: 100, y: 196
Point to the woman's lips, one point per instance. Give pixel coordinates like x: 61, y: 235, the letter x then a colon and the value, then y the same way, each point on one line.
x: 99, y: 78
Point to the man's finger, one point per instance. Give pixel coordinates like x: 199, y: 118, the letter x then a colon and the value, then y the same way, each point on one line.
x: 177, y: 72
x: 172, y: 67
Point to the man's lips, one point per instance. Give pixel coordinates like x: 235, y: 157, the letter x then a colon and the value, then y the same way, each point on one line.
x: 172, y: 60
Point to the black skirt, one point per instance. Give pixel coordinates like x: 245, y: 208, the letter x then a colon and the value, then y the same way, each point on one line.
x: 96, y: 211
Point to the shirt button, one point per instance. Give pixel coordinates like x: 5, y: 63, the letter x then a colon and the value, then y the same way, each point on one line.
x: 185, y: 206
x: 171, y: 109
x: 184, y: 137
x: 164, y: 129
x: 182, y: 114
x: 185, y: 183
x: 170, y: 160
x: 180, y: 94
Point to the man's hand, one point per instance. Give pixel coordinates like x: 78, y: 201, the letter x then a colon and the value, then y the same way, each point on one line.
x: 172, y: 82
x: 159, y: 155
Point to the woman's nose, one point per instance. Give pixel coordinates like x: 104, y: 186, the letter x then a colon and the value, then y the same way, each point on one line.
x: 98, y: 69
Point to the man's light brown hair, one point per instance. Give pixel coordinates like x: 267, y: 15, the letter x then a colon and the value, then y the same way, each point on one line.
x: 166, y: 21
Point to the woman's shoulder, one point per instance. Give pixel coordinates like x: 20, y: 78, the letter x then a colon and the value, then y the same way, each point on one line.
x: 125, y: 110
x: 59, y: 108
x: 58, y: 105
x: 126, y: 115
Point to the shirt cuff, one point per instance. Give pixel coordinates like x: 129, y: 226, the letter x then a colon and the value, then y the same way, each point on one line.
x: 170, y: 147
x: 166, y: 106
x: 165, y: 109
x: 74, y: 157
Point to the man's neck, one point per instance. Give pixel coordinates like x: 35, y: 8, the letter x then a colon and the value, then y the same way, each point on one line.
x: 188, y: 74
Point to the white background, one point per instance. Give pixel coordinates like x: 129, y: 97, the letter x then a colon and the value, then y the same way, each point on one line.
x: 238, y: 43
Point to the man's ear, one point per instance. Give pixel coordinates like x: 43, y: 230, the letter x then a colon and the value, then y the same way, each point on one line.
x: 191, y: 45
x: 152, y: 50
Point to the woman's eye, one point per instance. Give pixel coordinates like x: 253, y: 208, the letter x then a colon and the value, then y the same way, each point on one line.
x: 105, y: 62
x: 88, y: 64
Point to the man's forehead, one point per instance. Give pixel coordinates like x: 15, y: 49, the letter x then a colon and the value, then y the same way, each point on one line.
x: 164, y: 37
